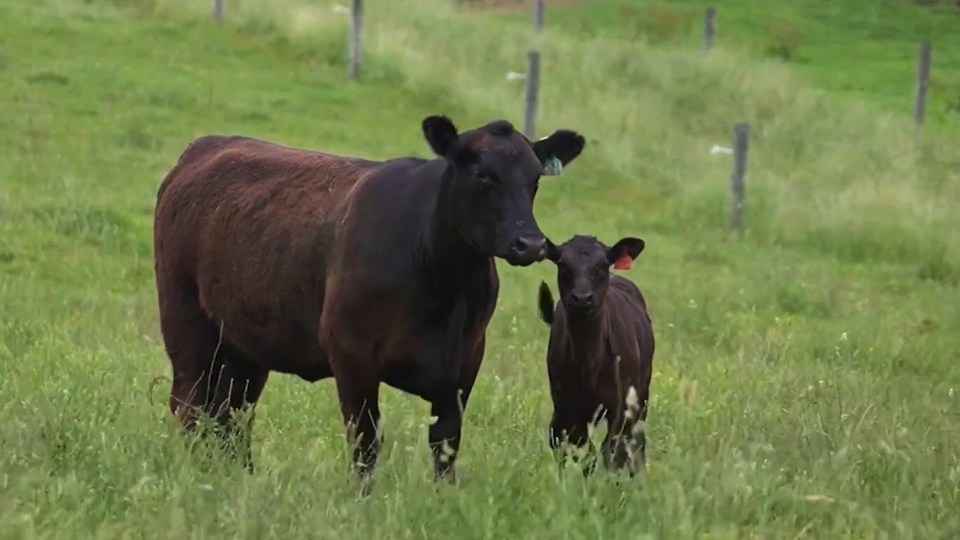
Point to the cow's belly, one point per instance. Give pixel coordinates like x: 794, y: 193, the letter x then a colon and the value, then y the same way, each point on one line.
x: 281, y: 346
x: 411, y: 383
x: 271, y: 332
x: 429, y: 369
x: 419, y: 382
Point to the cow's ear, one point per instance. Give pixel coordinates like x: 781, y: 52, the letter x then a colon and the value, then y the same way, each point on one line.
x: 442, y: 135
x: 558, y: 150
x: 622, y: 254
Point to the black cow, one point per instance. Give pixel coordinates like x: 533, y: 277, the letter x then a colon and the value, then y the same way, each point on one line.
x: 269, y: 258
x: 600, y: 353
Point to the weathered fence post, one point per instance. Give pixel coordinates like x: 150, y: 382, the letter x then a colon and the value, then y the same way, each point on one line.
x: 539, y: 10
x: 737, y: 189
x: 533, y: 89
x: 923, y: 79
x: 709, y: 28
x: 356, y: 29
x: 218, y: 11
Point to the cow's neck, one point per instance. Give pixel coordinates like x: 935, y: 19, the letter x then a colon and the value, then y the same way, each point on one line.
x: 588, y: 335
x: 449, y: 254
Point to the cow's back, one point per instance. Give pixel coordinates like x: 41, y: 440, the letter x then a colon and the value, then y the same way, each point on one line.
x: 249, y: 224
x: 218, y: 176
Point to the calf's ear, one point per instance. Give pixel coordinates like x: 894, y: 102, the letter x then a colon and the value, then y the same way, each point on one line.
x: 553, y: 252
x: 622, y: 254
x: 442, y: 135
x: 558, y: 149
x: 545, y: 303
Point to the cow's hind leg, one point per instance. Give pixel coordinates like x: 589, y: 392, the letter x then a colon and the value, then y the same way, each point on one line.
x: 234, y: 390
x: 191, y: 340
x: 196, y: 349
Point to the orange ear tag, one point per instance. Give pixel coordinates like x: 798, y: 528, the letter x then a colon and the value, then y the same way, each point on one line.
x: 624, y: 262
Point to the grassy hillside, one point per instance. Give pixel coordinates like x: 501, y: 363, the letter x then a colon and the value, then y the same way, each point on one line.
x: 805, y: 381
x: 863, y: 50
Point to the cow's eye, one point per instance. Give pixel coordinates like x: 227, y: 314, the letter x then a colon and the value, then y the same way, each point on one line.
x: 483, y: 175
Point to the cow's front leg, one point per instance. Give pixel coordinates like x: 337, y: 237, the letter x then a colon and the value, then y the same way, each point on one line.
x: 449, y: 401
x: 359, y: 404
x: 449, y: 407
x: 445, y: 431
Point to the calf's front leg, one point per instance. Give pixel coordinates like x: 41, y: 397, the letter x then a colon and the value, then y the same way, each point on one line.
x: 626, y: 442
x: 568, y: 431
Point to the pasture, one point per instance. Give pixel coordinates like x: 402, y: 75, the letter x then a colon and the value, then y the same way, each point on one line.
x: 805, y: 381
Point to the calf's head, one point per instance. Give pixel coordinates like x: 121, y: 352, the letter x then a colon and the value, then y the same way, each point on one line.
x: 583, y: 268
x: 493, y: 175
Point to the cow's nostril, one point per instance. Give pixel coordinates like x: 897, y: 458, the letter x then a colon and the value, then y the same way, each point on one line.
x: 526, y: 244
x: 522, y: 244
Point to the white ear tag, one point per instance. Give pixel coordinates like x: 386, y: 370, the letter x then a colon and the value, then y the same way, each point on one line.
x: 553, y: 166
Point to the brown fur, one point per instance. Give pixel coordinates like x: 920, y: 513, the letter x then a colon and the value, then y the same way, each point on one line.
x: 270, y: 258
x: 594, y: 357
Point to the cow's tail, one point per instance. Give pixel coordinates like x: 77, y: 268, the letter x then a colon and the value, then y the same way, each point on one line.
x: 546, y: 304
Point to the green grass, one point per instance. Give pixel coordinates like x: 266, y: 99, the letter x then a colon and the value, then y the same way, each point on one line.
x: 862, y: 50
x: 805, y: 380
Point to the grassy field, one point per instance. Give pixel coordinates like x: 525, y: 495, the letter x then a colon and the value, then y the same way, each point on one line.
x: 862, y: 50
x: 806, y: 380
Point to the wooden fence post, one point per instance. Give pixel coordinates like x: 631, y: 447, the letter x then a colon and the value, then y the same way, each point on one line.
x: 923, y: 79
x: 737, y: 189
x: 709, y: 28
x: 218, y: 11
x: 356, y: 29
x: 533, y: 89
x: 539, y: 10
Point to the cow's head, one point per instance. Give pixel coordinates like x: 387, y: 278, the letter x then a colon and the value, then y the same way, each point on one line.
x: 583, y: 268
x: 494, y: 175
